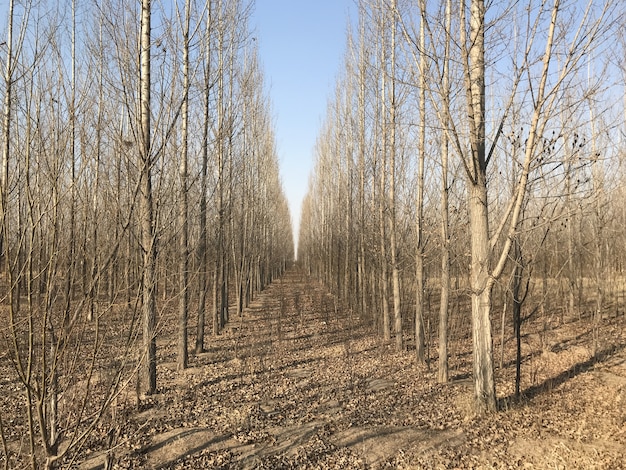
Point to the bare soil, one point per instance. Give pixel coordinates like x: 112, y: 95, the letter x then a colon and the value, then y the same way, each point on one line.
x: 299, y: 382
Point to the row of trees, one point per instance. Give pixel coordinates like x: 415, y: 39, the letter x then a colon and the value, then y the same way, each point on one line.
x: 466, y: 149
x: 139, y: 172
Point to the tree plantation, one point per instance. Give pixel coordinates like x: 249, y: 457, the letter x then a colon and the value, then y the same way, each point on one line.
x: 457, y: 297
x: 475, y: 151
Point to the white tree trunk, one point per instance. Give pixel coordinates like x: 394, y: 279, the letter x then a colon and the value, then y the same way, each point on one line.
x: 148, y: 237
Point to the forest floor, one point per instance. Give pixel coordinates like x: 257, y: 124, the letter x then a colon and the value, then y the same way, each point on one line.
x: 297, y: 383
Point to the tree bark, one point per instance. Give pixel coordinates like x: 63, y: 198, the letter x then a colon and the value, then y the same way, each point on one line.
x: 148, y: 235
x: 419, y: 248
x: 6, y: 128
x: 183, y: 215
x: 384, y: 282
x: 203, y: 260
x: 445, y: 223
x: 395, y: 272
x: 518, y: 299
x: 484, y: 382
x: 480, y: 281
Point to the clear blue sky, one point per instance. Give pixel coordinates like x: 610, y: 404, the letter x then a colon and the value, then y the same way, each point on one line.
x: 301, y: 46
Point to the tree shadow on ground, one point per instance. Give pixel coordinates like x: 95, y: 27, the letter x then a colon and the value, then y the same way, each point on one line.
x: 180, y: 451
x: 579, y: 368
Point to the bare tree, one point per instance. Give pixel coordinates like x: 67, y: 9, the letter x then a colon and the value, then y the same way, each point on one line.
x: 382, y: 202
x: 395, y: 272
x: 9, y: 68
x: 419, y: 203
x: 203, y: 260
x: 183, y: 211
x: 146, y: 215
x: 445, y: 222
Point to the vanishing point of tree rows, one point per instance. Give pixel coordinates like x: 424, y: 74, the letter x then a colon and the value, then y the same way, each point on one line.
x: 139, y: 180
x: 470, y: 160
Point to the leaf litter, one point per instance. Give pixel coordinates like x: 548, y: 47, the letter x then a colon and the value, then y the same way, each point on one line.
x: 310, y: 385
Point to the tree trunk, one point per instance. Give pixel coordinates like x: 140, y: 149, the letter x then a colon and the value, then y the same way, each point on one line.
x: 361, y: 133
x: 419, y: 249
x: 395, y: 272
x: 183, y: 274
x: 6, y: 128
x: 484, y: 383
x: 445, y: 223
x: 148, y: 235
x: 480, y: 275
x: 203, y: 261
x: 384, y: 282
x: 517, y: 312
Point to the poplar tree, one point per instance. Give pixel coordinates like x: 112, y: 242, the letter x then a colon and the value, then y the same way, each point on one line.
x: 146, y: 214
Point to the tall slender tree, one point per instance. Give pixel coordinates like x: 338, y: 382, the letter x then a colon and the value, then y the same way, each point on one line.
x: 382, y: 205
x: 445, y: 218
x: 203, y: 260
x: 393, y: 242
x: 419, y: 203
x: 183, y: 210
x: 6, y: 130
x: 146, y: 214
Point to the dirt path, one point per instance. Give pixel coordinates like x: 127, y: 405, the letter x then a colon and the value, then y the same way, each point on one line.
x: 294, y: 383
